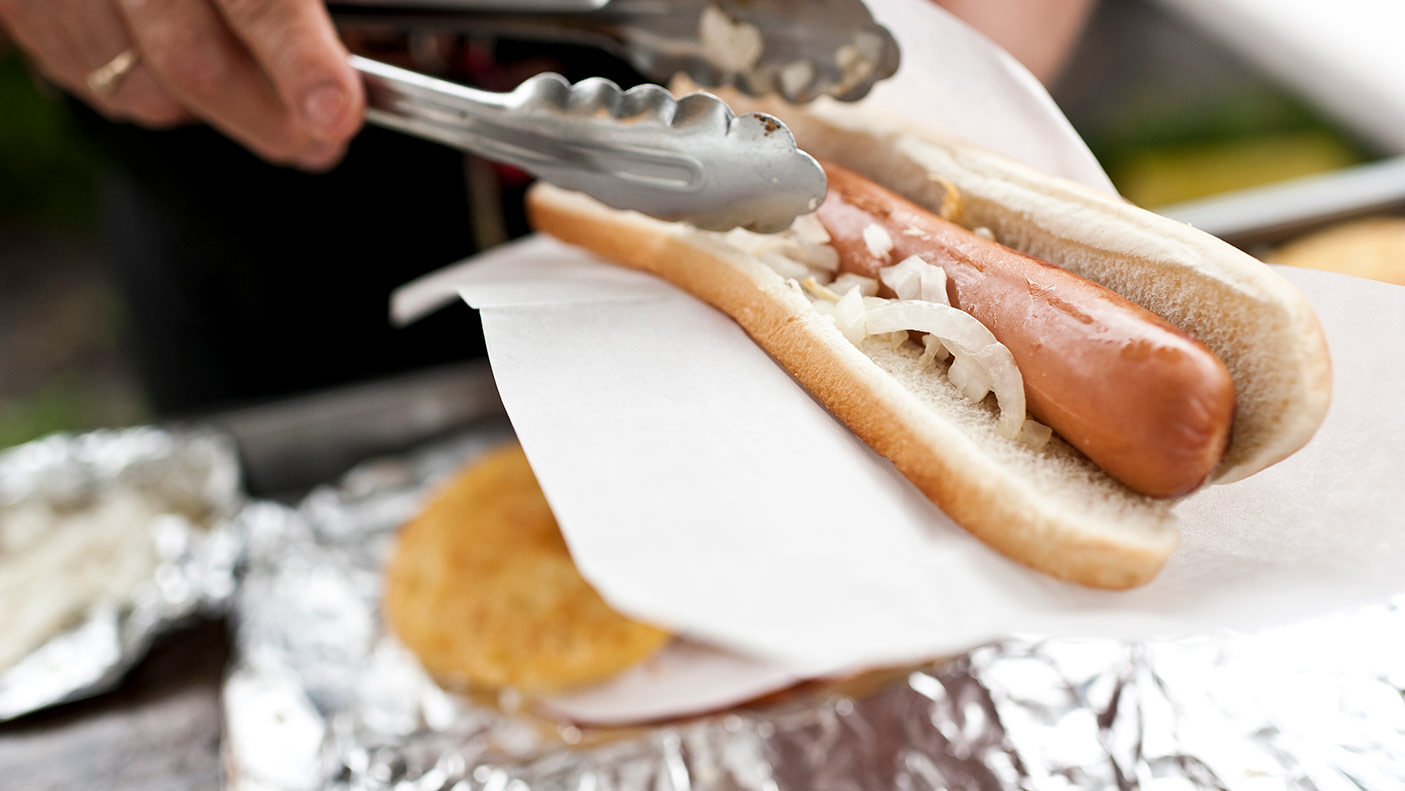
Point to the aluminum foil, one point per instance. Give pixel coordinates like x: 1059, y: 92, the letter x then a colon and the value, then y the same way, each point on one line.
x: 319, y: 697
x: 185, y: 487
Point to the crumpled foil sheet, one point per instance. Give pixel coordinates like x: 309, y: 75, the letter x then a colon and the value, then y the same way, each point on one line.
x: 320, y: 698
x: 192, y: 479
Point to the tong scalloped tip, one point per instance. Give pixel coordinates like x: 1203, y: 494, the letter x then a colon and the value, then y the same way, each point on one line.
x: 689, y: 159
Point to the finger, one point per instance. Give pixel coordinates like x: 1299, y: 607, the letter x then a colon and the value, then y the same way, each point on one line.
x: 297, y: 46
x: 68, y: 39
x: 192, y: 53
x: 141, y: 99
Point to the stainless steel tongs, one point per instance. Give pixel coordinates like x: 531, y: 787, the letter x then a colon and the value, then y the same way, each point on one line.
x: 687, y: 159
x: 691, y: 158
x: 800, y: 49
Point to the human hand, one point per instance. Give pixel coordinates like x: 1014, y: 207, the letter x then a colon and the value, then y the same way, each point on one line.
x: 271, y: 74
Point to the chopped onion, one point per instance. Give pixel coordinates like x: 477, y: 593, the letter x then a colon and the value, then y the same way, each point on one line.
x: 821, y: 256
x: 914, y: 278
x: 984, y: 233
x: 895, y: 339
x: 867, y: 286
x: 808, y: 228
x: 932, y: 350
x: 1036, y: 434
x: 904, y: 277
x: 969, y: 378
x: 849, y: 316
x: 879, y: 243
x: 746, y: 240
x: 785, y: 266
x: 819, y: 292
x: 792, y: 253
x: 761, y: 244
x: 992, y: 364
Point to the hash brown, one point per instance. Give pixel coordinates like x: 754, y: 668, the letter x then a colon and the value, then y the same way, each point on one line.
x: 482, y: 588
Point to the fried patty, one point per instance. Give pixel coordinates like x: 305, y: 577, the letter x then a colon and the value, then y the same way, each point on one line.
x: 482, y: 588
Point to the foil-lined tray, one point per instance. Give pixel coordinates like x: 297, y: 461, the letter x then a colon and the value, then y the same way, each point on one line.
x: 149, y: 505
x: 320, y: 697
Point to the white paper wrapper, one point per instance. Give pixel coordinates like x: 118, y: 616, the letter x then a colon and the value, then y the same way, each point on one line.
x: 699, y: 486
x: 685, y: 678
x: 954, y: 79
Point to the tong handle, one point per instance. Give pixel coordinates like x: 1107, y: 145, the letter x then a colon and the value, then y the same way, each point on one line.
x: 799, y: 49
x: 432, y: 109
x: 530, y: 128
x: 516, y: 6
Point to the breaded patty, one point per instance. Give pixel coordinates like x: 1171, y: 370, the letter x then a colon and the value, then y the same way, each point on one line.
x: 482, y: 588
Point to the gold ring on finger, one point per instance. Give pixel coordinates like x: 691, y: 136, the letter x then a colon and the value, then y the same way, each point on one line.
x: 105, y: 79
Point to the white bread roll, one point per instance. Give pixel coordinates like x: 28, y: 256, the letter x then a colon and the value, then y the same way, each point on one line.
x: 1049, y: 508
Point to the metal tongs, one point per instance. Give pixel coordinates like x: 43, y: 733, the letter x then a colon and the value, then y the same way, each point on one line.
x: 799, y: 49
x: 680, y: 159
x: 687, y: 159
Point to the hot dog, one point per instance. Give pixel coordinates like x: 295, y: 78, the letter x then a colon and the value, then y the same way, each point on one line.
x: 1143, y: 371
x: 1142, y: 399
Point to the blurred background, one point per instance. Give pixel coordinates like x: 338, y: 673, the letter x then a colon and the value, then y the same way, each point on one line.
x: 1171, y: 113
x: 61, y: 359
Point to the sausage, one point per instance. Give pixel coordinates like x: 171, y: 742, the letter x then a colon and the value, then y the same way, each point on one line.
x: 1143, y: 400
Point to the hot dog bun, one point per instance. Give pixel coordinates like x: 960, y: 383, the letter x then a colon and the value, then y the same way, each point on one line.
x: 1049, y: 508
